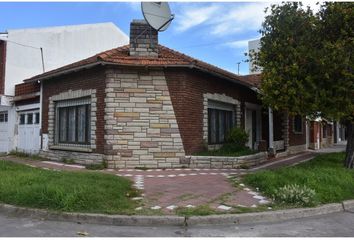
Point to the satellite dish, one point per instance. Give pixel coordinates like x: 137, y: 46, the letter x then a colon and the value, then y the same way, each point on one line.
x: 157, y: 14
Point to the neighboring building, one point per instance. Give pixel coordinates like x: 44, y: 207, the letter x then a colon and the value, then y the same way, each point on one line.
x: 321, y: 133
x: 340, y: 132
x: 254, y: 46
x: 145, y: 105
x: 21, y: 58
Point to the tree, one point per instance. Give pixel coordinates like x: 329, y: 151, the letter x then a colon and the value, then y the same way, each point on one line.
x: 307, y: 63
x: 336, y: 35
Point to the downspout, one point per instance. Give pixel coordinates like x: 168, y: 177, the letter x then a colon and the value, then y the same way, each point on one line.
x: 40, y: 112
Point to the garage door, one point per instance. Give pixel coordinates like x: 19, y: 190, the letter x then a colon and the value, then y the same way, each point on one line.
x: 28, y: 131
x: 4, y: 132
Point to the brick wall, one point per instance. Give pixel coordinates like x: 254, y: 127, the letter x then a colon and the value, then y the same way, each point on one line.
x: 88, y: 79
x: 186, y: 89
x: 2, y: 66
x: 27, y: 88
x: 297, y: 138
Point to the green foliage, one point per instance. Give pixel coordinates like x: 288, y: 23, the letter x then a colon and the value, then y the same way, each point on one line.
x: 325, y: 174
x: 237, y: 137
x: 307, y: 59
x: 68, y: 160
x: 228, y: 149
x: 202, y: 210
x: 296, y: 195
x: 65, y: 191
x: 20, y: 154
x: 142, y: 168
x: 95, y: 166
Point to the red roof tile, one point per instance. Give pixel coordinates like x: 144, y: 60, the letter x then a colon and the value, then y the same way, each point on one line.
x: 254, y: 79
x: 167, y: 58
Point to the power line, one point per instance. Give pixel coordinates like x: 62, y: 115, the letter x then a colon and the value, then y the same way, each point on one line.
x: 21, y: 44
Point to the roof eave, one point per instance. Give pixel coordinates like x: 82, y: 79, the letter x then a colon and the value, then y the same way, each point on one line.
x: 63, y: 72
x: 90, y: 65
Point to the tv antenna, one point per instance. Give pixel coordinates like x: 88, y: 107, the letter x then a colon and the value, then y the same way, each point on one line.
x: 238, y: 68
x: 157, y: 15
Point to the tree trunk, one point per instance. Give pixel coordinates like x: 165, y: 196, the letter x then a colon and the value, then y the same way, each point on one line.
x: 349, y: 158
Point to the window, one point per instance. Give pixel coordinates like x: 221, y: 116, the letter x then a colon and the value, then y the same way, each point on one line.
x: 36, y: 119
x: 73, y: 122
x: 3, y: 117
x: 219, y: 124
x: 30, y: 118
x: 22, y: 119
x: 297, y: 124
x: 324, y: 131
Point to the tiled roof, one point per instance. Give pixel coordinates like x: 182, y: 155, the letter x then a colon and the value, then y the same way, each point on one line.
x: 167, y: 58
x: 254, y: 79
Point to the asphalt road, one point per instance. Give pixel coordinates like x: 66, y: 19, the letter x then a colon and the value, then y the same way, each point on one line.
x: 331, y: 225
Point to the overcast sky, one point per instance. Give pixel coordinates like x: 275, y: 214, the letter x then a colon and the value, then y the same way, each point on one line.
x: 213, y: 32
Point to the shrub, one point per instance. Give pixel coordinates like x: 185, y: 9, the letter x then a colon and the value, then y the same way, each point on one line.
x: 238, y: 137
x: 294, y: 194
x: 95, y: 166
x: 68, y: 160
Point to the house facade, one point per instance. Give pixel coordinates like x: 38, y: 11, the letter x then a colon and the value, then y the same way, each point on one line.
x: 145, y: 105
x: 28, y: 52
x: 139, y: 105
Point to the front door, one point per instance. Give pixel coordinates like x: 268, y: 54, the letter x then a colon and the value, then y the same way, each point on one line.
x: 29, y: 131
x: 4, y: 132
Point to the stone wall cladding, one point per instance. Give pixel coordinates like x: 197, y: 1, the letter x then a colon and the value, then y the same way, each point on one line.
x: 78, y: 157
x: 186, y: 89
x: 220, y: 98
x: 143, y: 39
x: 141, y: 129
x: 296, y: 149
x: 226, y: 162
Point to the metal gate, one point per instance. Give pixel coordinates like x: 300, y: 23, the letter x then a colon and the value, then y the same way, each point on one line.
x: 28, y: 131
x: 4, y: 132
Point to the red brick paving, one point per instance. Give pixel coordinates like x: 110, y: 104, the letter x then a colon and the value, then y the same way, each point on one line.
x: 205, y: 187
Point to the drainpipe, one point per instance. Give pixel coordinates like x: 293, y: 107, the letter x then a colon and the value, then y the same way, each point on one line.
x: 40, y: 112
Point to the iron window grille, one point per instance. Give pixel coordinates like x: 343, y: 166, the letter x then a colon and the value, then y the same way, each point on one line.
x: 220, y: 122
x: 3, y: 117
x: 73, y: 123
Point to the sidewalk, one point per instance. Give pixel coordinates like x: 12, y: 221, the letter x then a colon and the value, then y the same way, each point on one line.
x: 165, y: 190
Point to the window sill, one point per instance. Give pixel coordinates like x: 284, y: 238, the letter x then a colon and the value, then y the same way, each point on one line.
x: 68, y: 148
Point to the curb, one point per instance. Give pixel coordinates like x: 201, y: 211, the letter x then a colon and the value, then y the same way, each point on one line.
x: 348, y: 205
x: 273, y: 216
x: 125, y: 220
x: 118, y: 220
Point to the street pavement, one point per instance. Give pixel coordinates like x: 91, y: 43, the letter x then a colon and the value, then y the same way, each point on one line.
x: 331, y: 225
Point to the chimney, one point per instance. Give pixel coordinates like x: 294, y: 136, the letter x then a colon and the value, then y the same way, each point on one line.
x: 143, y: 39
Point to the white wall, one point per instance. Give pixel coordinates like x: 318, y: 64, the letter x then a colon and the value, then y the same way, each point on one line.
x: 253, y: 45
x: 61, y: 46
x: 9, y: 129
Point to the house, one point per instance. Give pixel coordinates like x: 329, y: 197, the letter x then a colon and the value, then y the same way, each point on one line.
x: 28, y: 52
x: 142, y: 105
x: 283, y: 133
x: 146, y: 105
x: 315, y: 134
x: 321, y: 133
